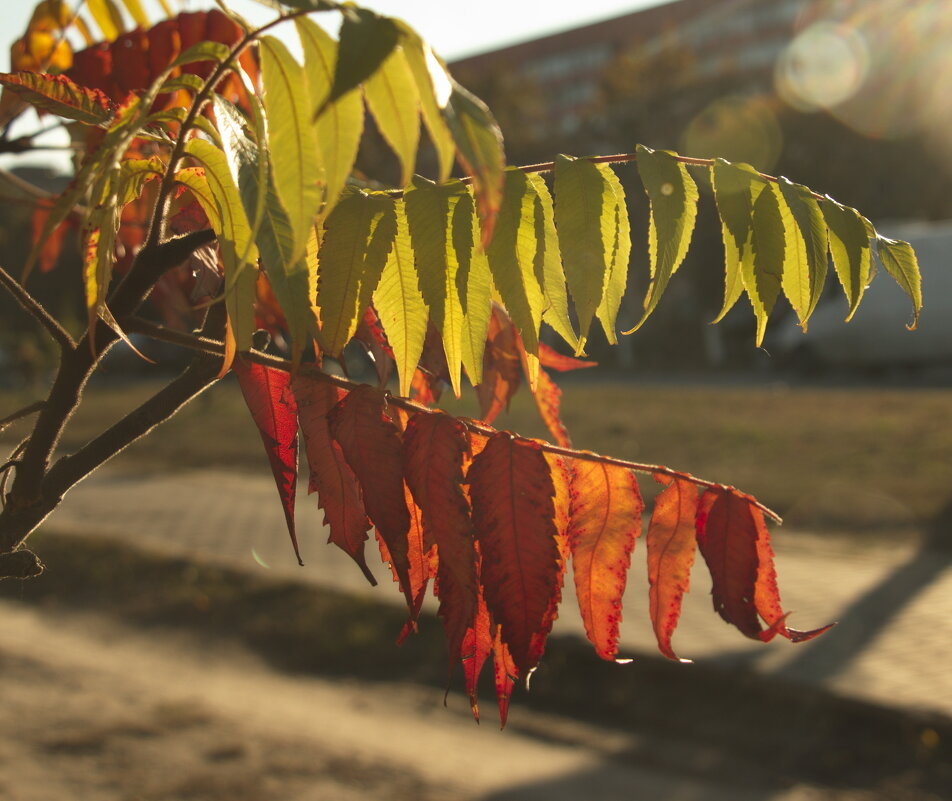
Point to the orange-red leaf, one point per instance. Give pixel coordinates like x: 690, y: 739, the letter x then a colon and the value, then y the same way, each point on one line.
x: 511, y: 491
x: 605, y: 521
x: 727, y: 536
x: 422, y: 559
x: 548, y: 398
x: 61, y: 96
x: 371, y: 444
x: 268, y: 394
x: 506, y: 674
x: 671, y: 544
x: 502, y: 371
x: 434, y: 445
x: 551, y: 358
x: 338, y: 492
x: 477, y: 645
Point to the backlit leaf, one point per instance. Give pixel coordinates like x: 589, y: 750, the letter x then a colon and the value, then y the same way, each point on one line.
x: 60, y: 96
x: 401, y: 307
x: 511, y: 491
x: 108, y: 17
x: 435, y: 86
x: 673, y: 196
x: 267, y: 392
x: 502, y: 371
x: 366, y: 39
x: 763, y: 272
x: 238, y: 252
x: 805, y: 268
x: 849, y: 246
x: 616, y: 279
x: 371, y: 444
x: 506, y: 674
x: 137, y: 12
x: 604, y: 522
x: 512, y: 258
x: 736, y: 188
x: 434, y: 445
x: 671, y: 545
x: 393, y: 99
x: 295, y: 159
x: 899, y: 260
x: 548, y: 398
x: 474, y: 284
x: 358, y: 237
x: 339, y: 128
x: 587, y: 230
x: 338, y: 492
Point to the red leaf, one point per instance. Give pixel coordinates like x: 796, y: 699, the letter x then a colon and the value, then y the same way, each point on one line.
x: 476, y: 647
x: 130, y: 61
x: 331, y: 477
x: 423, y: 564
x: 502, y: 371
x: 511, y: 491
x: 604, y: 524
x: 671, y: 546
x: 727, y: 536
x: 548, y: 398
x: 268, y: 394
x: 425, y: 389
x: 506, y: 674
x: 371, y: 444
x: 551, y: 358
x: 54, y: 242
x: 61, y: 96
x: 371, y: 336
x: 434, y: 446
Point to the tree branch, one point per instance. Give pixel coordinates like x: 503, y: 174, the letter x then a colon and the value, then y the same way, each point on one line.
x: 36, y: 309
x: 26, y: 411
x: 213, y: 347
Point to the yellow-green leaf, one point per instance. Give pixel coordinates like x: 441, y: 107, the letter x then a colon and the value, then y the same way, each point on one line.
x: 849, y: 246
x: 763, y: 273
x: 616, y: 279
x: 899, y: 260
x: 512, y: 257
x: 474, y: 284
x: 108, y: 17
x: 805, y: 267
x: 295, y: 159
x: 137, y: 12
x: 358, y: 236
x: 430, y: 208
x: 340, y: 127
x: 60, y: 96
x: 400, y: 304
x: 587, y: 230
x: 736, y: 188
x: 366, y: 39
x: 673, y: 196
x: 549, y: 263
x: 435, y: 86
x: 239, y: 254
x: 392, y: 97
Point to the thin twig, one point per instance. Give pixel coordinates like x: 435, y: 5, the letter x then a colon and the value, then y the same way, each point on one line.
x: 209, y: 346
x: 24, y: 412
x: 35, y: 308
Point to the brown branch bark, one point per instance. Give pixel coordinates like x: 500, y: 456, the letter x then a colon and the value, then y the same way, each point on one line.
x: 36, y: 309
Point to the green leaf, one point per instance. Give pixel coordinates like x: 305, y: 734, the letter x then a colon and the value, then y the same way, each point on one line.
x: 849, y: 246
x: 736, y: 188
x: 60, y: 96
x: 400, y: 304
x: 358, y: 236
x: 366, y: 39
x: 340, y: 127
x: 617, y: 277
x: 805, y: 268
x: 474, y: 284
x: 161, y: 119
x: 203, y: 51
x: 763, y: 273
x: 512, y: 257
x: 186, y: 80
x: 479, y: 148
x: 587, y: 230
x: 295, y: 160
x: 238, y: 252
x: 137, y: 12
x: 549, y: 263
x: 899, y: 260
x: 392, y: 97
x: 270, y: 225
x: 108, y: 17
x: 430, y: 210
x: 303, y: 5
x: 673, y: 197
x: 435, y: 87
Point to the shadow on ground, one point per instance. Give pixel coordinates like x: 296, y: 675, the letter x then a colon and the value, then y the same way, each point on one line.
x: 697, y: 720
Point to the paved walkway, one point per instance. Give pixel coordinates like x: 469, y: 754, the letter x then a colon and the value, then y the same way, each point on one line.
x: 893, y: 644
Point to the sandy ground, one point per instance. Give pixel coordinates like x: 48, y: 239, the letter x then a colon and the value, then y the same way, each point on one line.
x: 96, y: 711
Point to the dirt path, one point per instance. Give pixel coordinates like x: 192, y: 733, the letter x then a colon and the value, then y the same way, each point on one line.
x: 97, y: 711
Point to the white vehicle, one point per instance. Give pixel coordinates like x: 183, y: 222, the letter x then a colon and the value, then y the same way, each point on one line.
x: 877, y: 336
